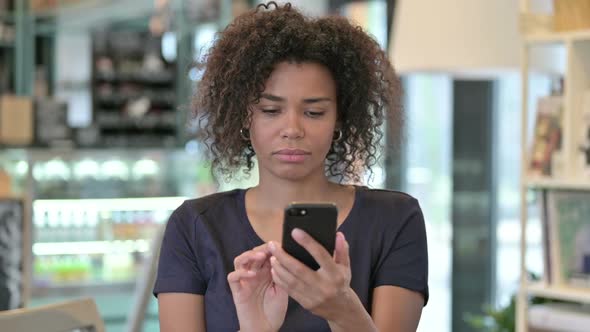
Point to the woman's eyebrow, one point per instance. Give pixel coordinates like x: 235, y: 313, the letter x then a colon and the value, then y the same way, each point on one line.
x: 271, y: 97
x: 311, y: 100
x: 315, y: 100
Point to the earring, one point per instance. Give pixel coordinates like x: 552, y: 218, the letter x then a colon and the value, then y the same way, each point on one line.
x: 245, y: 133
x: 250, y: 148
x: 337, y: 135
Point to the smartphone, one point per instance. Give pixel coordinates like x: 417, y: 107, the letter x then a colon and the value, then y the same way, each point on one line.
x: 319, y: 220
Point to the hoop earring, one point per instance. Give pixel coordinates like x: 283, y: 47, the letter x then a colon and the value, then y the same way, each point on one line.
x: 337, y: 135
x: 245, y: 134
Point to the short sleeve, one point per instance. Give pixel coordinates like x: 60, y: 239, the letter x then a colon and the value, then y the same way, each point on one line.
x: 178, y: 268
x: 404, y: 260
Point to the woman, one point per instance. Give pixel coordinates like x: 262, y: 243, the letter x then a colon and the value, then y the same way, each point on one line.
x: 307, y: 97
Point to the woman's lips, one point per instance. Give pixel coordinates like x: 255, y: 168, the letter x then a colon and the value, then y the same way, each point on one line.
x: 292, y: 155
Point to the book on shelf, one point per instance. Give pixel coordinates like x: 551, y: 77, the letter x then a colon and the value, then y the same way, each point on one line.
x: 583, y: 153
x: 546, y: 239
x: 565, y: 317
x: 568, y: 216
x: 12, y: 256
x: 546, y: 144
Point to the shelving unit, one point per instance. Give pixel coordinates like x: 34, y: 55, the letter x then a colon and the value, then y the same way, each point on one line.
x: 95, y: 180
x: 121, y: 170
x: 549, y: 183
x: 93, y: 243
x: 557, y: 37
x: 576, y: 79
x: 133, y: 87
x: 32, y: 58
x: 8, y: 29
x: 95, y: 213
x: 542, y: 289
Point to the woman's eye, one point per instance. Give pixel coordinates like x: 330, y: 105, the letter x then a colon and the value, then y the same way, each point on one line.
x: 270, y: 111
x: 314, y: 114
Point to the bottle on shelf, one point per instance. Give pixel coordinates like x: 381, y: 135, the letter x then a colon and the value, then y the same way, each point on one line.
x: 40, y: 222
x: 91, y: 223
x: 106, y: 226
x: 53, y: 232
x: 66, y: 226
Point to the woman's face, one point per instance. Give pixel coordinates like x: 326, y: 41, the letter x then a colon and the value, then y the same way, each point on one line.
x: 292, y: 126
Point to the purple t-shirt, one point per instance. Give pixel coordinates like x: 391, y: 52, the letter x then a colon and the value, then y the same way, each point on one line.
x: 385, y: 231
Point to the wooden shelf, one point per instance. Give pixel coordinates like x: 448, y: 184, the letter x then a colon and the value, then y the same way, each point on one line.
x: 548, y: 183
x: 557, y: 37
x: 564, y: 293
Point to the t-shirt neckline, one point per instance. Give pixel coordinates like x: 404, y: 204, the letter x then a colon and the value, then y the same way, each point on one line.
x: 258, y: 240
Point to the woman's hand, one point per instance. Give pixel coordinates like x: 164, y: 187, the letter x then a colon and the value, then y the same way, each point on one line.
x: 261, y: 305
x: 325, y: 292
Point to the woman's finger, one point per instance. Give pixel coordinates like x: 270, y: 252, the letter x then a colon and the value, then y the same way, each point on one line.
x: 262, y: 248
x: 283, y: 278
x: 341, y: 252
x: 290, y: 280
x: 236, y: 276
x: 258, y: 259
x: 291, y: 263
x: 315, y: 249
x: 244, y: 260
x: 247, y: 258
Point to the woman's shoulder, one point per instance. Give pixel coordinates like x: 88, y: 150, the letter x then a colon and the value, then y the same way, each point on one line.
x: 220, y: 202
x: 213, y: 201
x: 388, y: 212
x: 387, y: 200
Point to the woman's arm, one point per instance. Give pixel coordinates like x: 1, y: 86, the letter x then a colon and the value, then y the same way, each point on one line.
x: 180, y: 312
x: 396, y: 309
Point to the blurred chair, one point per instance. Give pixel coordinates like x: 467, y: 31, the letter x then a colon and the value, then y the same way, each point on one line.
x: 145, y: 285
x: 76, y: 315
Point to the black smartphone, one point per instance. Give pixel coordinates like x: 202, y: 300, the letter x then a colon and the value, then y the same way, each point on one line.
x: 319, y: 220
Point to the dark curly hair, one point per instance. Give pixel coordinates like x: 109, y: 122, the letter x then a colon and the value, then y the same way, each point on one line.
x: 245, y: 54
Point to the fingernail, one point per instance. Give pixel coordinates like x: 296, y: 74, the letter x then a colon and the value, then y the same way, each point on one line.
x: 297, y: 234
x: 272, y: 246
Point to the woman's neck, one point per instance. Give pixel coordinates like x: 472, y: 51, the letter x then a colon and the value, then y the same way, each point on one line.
x: 273, y: 195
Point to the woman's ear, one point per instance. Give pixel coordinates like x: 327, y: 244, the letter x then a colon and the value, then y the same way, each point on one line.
x: 248, y: 118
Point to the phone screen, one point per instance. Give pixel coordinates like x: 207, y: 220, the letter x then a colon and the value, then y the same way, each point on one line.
x: 319, y: 220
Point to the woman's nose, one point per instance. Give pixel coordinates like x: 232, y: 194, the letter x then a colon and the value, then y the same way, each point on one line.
x: 293, y: 128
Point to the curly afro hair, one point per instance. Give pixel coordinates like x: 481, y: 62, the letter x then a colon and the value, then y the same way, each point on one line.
x: 244, y: 56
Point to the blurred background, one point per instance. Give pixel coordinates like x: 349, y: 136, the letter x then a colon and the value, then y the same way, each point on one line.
x: 96, y: 139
